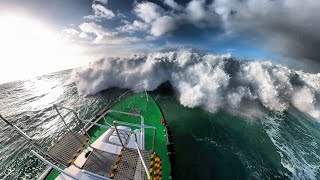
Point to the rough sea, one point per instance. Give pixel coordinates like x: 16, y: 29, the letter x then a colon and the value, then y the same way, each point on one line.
x: 230, y: 119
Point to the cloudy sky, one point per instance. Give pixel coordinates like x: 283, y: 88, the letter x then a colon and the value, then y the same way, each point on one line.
x: 38, y: 36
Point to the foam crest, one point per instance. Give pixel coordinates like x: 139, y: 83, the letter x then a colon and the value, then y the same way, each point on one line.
x: 206, y: 80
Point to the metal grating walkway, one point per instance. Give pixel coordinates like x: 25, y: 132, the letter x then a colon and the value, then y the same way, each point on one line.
x: 100, y: 162
x: 68, y: 147
x: 129, y: 166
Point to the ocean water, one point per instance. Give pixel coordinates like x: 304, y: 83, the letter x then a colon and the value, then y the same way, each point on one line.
x: 28, y: 104
x: 230, y: 146
x: 266, y: 133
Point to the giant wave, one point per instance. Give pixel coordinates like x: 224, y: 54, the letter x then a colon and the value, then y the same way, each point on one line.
x: 206, y: 80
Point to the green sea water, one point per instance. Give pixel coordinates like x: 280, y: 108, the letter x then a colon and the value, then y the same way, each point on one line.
x: 225, y: 145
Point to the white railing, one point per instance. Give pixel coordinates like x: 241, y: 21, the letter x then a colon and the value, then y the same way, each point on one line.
x: 142, y: 124
x: 53, y: 166
x: 141, y: 158
x: 142, y: 127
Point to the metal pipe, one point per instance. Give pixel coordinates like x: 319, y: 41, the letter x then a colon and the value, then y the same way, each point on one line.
x: 134, y: 125
x: 146, y: 95
x: 142, y: 135
x: 93, y: 174
x: 118, y: 135
x: 6, y: 121
x: 97, y: 124
x: 67, y: 113
x: 23, y: 134
x: 53, y: 166
x: 154, y: 139
x: 131, y: 114
x: 141, y: 158
x: 147, y: 98
x: 29, y: 139
x: 75, y: 114
x: 55, y: 107
x: 62, y: 119
x: 142, y: 125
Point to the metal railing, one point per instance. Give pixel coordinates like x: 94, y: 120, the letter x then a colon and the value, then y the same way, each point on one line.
x: 137, y: 125
x: 141, y: 158
x: 29, y: 139
x: 84, y: 130
x: 53, y: 166
x: 142, y: 124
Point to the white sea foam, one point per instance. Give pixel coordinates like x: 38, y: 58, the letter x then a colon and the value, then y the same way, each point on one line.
x: 207, y: 80
x: 295, y: 154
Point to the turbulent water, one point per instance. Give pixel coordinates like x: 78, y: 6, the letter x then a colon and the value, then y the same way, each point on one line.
x: 231, y: 119
x: 27, y: 104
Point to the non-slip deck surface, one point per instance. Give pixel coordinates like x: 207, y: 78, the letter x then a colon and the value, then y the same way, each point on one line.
x: 100, y: 162
x: 130, y: 166
x: 65, y: 149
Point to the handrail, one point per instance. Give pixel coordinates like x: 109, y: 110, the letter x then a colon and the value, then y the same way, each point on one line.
x: 141, y: 158
x: 28, y: 138
x: 142, y: 126
x: 124, y: 94
x: 52, y: 165
x: 76, y: 115
x: 136, y: 125
x: 55, y: 106
x: 64, y: 172
x: 145, y: 91
x: 93, y: 174
x: 97, y: 124
x: 142, y: 123
x: 127, y: 113
x: 78, y: 121
x: 119, y: 136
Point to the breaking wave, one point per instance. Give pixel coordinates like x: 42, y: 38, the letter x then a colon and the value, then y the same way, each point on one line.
x: 207, y: 80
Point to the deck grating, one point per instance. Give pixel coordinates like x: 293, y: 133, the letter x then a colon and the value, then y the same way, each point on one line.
x: 100, y: 162
x: 66, y: 148
x: 128, y: 165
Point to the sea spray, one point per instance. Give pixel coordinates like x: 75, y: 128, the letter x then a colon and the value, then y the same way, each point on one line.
x: 206, y: 80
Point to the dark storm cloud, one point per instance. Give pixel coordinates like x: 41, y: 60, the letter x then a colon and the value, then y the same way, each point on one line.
x: 162, y: 19
x: 289, y: 26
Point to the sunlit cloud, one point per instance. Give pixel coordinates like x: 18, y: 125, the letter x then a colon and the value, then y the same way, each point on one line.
x: 100, y: 11
x: 103, y: 36
x: 133, y: 27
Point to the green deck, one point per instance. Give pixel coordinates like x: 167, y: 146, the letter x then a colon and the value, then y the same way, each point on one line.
x: 152, y: 115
